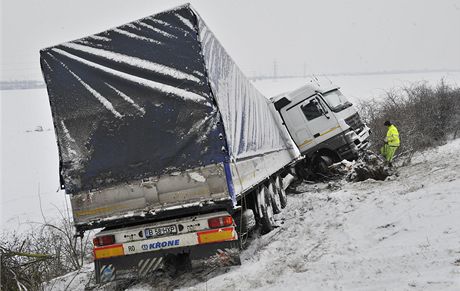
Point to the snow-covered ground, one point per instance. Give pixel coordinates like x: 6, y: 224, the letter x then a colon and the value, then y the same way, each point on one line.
x: 398, y: 234
x: 30, y: 176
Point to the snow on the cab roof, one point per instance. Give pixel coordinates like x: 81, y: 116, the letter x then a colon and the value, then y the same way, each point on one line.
x: 133, y: 35
x: 184, y: 94
x: 127, y: 98
x: 133, y: 61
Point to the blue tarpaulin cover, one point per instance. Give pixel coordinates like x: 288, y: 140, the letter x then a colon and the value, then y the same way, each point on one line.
x: 151, y: 97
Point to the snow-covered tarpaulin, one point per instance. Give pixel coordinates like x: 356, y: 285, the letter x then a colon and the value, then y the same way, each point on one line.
x: 248, y: 122
x: 151, y: 97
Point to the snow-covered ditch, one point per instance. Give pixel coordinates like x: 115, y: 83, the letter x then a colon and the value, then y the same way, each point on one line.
x: 398, y: 234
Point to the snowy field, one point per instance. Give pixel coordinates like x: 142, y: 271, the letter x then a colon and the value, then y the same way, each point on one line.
x: 363, y: 87
x: 29, y: 159
x: 398, y: 234
x: 29, y: 152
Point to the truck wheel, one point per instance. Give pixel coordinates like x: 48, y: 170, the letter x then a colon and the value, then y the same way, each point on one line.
x: 280, y: 191
x: 302, y: 171
x: 245, y: 223
x: 275, y: 197
x: 321, y: 165
x: 267, y: 221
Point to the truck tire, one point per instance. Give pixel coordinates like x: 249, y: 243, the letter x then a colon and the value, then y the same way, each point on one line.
x: 245, y: 224
x: 275, y: 197
x: 245, y: 221
x: 321, y: 165
x: 301, y: 171
x: 280, y: 191
x: 267, y: 221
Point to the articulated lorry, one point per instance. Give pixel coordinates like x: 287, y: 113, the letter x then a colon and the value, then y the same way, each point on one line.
x: 166, y: 146
x: 323, y: 124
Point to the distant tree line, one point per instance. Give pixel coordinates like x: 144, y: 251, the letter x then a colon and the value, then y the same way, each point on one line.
x: 18, y: 85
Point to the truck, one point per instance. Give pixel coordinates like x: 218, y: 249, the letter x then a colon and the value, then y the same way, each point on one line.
x: 324, y: 125
x: 165, y: 147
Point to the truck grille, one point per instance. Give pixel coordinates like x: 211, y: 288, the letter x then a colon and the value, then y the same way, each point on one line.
x: 355, y: 122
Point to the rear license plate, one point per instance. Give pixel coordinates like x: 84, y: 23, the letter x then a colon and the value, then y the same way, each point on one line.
x: 160, y: 231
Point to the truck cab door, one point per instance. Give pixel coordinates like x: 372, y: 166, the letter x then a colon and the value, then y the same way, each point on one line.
x: 310, y: 122
x: 320, y: 119
x: 296, y: 124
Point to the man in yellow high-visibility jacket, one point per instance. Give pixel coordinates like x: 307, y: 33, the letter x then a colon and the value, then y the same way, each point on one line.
x: 391, y: 142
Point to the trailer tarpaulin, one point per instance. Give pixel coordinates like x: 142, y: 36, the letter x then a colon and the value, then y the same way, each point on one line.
x: 152, y: 97
x: 248, y: 121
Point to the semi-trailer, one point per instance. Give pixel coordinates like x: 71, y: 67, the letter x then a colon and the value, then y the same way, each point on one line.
x: 167, y: 147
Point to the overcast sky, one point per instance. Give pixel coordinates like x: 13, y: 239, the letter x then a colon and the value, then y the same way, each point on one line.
x: 321, y: 36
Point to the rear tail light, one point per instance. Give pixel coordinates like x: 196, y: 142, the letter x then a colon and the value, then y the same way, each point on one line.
x: 220, y: 221
x: 104, y: 240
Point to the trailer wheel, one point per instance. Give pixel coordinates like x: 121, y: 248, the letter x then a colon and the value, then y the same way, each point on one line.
x: 275, y: 197
x: 267, y: 221
x: 248, y: 220
x: 280, y: 191
x: 245, y: 223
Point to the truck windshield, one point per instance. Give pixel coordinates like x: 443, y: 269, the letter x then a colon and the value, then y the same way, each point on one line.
x: 336, y: 101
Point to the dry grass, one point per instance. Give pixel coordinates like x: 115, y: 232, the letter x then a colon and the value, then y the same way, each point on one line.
x: 40, y: 254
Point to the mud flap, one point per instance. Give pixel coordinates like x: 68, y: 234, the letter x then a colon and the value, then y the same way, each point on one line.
x: 141, y: 265
x: 126, y: 268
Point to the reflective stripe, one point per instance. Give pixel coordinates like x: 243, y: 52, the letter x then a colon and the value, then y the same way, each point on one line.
x: 107, y: 273
x: 321, y: 134
x: 327, y: 131
x: 305, y: 142
x: 216, y: 235
x: 108, y: 251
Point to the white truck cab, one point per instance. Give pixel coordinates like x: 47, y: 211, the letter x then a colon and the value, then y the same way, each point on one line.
x: 322, y: 122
